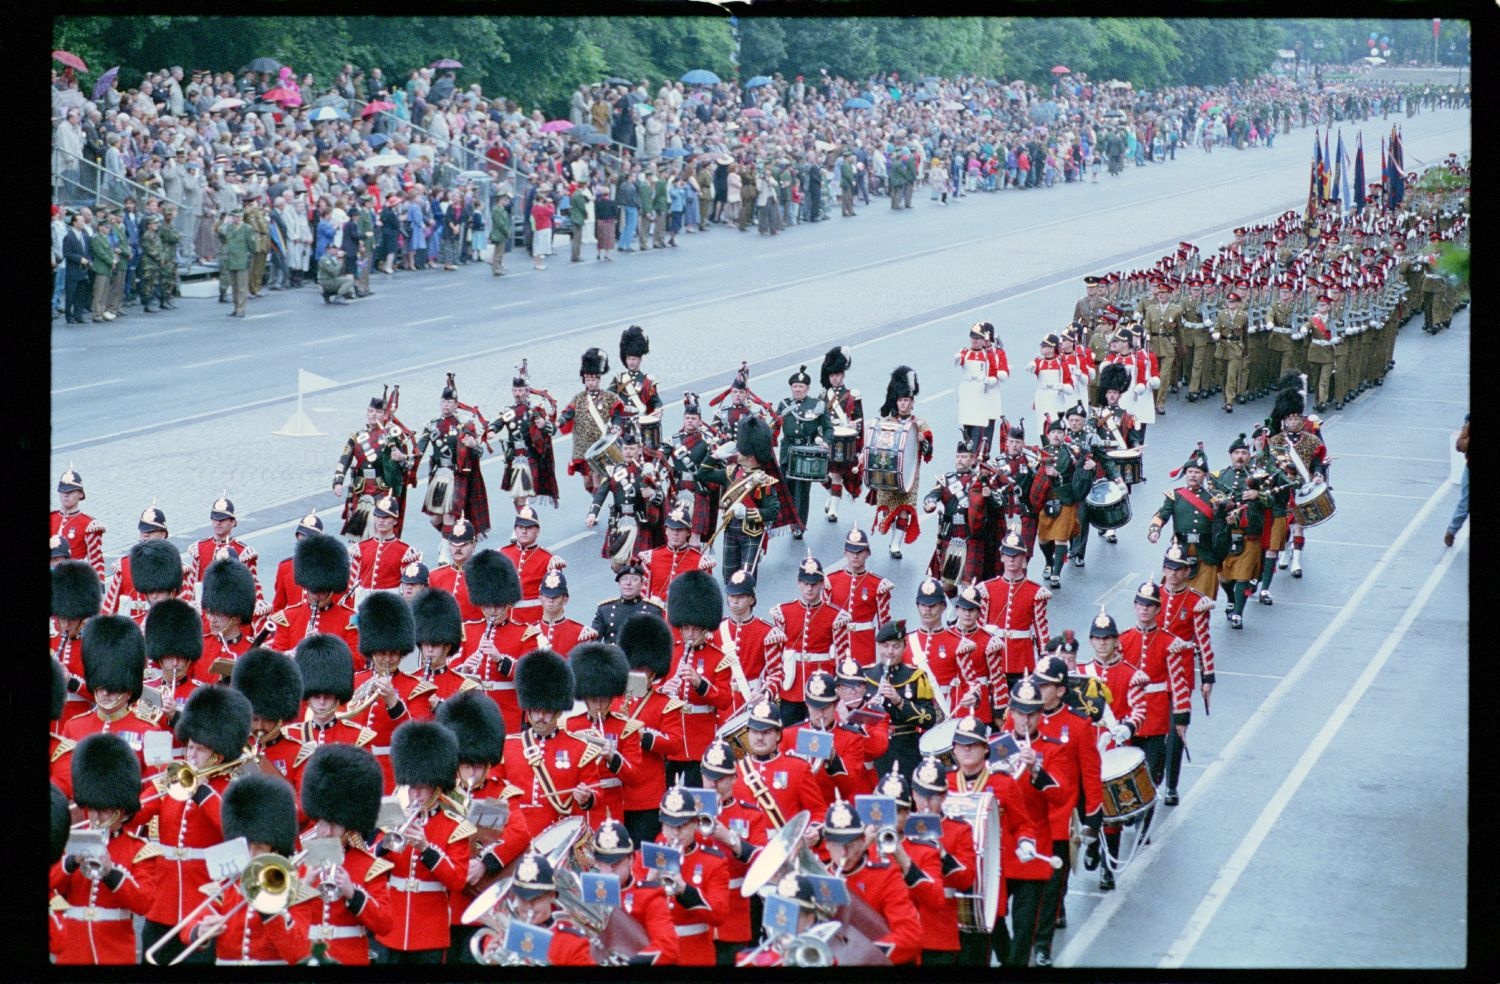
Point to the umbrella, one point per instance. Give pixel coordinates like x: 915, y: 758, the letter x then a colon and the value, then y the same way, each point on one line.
x: 751, y: 111
x: 594, y: 138
x: 71, y: 60
x: 280, y: 95
x: 675, y: 152
x: 445, y: 63
x: 923, y: 97
x: 332, y: 99
x: 226, y: 104
x: 700, y: 76
x: 441, y: 89
x: 386, y: 159
x: 616, y: 80
x: 1061, y: 70
x: 858, y: 103
x: 645, y: 108
x: 581, y: 130
x: 265, y: 65
x: 325, y: 113
x: 377, y: 140
x: 556, y: 126
x: 379, y: 105
x: 758, y: 81
x: 102, y: 85
x: 1215, y: 110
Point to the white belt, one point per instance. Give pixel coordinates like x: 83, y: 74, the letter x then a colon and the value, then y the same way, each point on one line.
x: 861, y: 626
x: 694, y: 930
x: 528, y: 603
x: 609, y: 783
x: 183, y: 853
x: 801, y: 657
x: 1013, y: 633
x: 414, y: 885
x: 697, y: 709
x: 91, y: 914
x: 736, y: 882
x: 334, y: 932
x: 379, y: 749
x: 1155, y: 688
x: 1319, y: 342
x: 498, y: 685
x: 1281, y: 331
x: 251, y: 963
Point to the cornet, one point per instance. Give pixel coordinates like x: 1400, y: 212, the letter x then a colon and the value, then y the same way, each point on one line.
x: 395, y: 838
x: 887, y: 840
x: 364, y: 697
x: 327, y: 887
x: 706, y: 825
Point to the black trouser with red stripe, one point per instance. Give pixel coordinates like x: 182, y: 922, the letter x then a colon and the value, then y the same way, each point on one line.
x: 1014, y: 949
x: 1052, y: 894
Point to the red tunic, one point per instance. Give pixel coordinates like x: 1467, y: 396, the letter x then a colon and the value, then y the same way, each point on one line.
x: 1164, y: 659
x: 451, y: 580
x: 749, y: 822
x: 925, y: 884
x: 663, y: 564
x: 286, y: 590
x: 1127, y: 691
x: 298, y: 621
x: 647, y: 905
x: 790, y: 781
x: 68, y: 650
x: 604, y: 738
x: 97, y: 922
x: 759, y: 659
x: 346, y: 926
x: 1023, y: 816
x: 1066, y: 746
x: 84, y: 536
x: 377, y: 563
x: 532, y: 564
x: 940, y: 648
x: 216, y: 647
x: 881, y: 885
x: 209, y: 549
x: 509, y: 638
x: 60, y: 767
x: 1019, y: 610
x: 420, y: 884
x: 1185, y: 615
x: 702, y: 906
x: 702, y: 709
x: 561, y: 636
x: 867, y: 599
x: 657, y: 732
x: 560, y: 764
x: 493, y: 848
x: 816, y: 638
x: 250, y: 939
x: 133, y: 726
x: 185, y: 829
x: 940, y: 923
x: 979, y: 668
x: 852, y: 765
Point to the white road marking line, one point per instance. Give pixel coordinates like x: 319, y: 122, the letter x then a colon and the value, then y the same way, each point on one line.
x: 1381, y: 495
x: 436, y: 287
x: 1309, y: 604
x: 502, y: 307
x: 938, y: 395
x: 74, y: 389
x: 584, y: 535
x: 264, y: 314
x: 428, y: 321
x: 216, y: 362
x: 589, y: 290
x: 1416, y: 399
x: 1244, y: 738
x: 1128, y: 578
x: 158, y: 334
x: 1257, y: 676
x: 1230, y: 874
x: 327, y: 341
x: 647, y: 280
x: 1351, y: 543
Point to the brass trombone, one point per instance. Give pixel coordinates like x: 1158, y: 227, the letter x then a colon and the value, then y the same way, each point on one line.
x: 181, y: 779
x: 268, y: 884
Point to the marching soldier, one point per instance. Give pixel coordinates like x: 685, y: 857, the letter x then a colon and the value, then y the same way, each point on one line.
x: 155, y: 572
x: 535, y: 889
x: 754, y: 641
x: 637, y: 490
x: 742, y: 829
x: 1165, y: 661
x: 1010, y: 490
x: 593, y: 413
x: 228, y: 604
x: 545, y: 762
x: 666, y: 562
x: 1055, y: 383
x: 386, y: 634
x: 961, y: 551
x: 614, y: 854
x: 1321, y: 349
x: 895, y: 509
x: 379, y: 559
x: 341, y: 789
x: 1017, y: 607
x: 174, y: 644
x: 1196, y: 316
x: 945, y: 941
x: 1229, y: 335
x: 637, y: 391
x: 690, y: 449
x: 286, y: 590
x: 76, y: 598
x: 320, y: 566
x: 816, y: 637
x: 450, y: 576
x: 273, y: 685
x: 698, y: 895
x: 904, y: 692
x: 932, y: 645
x: 850, y: 769
x: 752, y: 497
x: 863, y: 594
x: 120, y: 594
x: 525, y: 430
x: 611, y: 614
x: 1091, y: 304
x: 1284, y: 333
x: 846, y: 413
x: 114, y: 669
x: 455, y: 484
x: 1162, y: 319
x: 1289, y: 436
x: 532, y: 563
x: 600, y: 673
x: 83, y: 534
x: 555, y: 631
x: 1198, y: 522
x: 221, y: 544
x: 1125, y: 687
x: 979, y: 687
x: 494, y: 643
x: 326, y: 665
x: 1240, y: 569
x: 1184, y: 614
x: 1063, y: 479
x: 374, y: 460
x: 982, y: 368
x: 703, y: 678
x: 804, y: 423
x: 647, y: 643
x: 779, y: 783
x: 878, y: 882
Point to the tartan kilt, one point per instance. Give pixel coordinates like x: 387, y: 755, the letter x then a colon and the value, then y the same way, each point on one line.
x: 705, y: 513
x: 470, y: 499
x: 848, y: 473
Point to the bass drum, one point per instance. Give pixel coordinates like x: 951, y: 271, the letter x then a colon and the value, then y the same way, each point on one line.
x: 1108, y: 505
x: 891, y: 455
x: 938, y: 741
x: 980, y: 907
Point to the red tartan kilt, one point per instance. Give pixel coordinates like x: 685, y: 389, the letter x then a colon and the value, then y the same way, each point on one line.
x: 848, y: 474
x: 705, y: 514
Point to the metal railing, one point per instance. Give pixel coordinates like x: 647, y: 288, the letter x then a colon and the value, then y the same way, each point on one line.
x: 89, y: 184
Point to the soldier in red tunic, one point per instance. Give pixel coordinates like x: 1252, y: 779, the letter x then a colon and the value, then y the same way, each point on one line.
x: 850, y: 770
x: 555, y: 631
x: 614, y: 854
x: 599, y: 677
x: 876, y: 880
x: 450, y: 576
x: 173, y: 647
x: 378, y: 559
x: 439, y: 634
x: 156, y: 574
x: 753, y: 641
x: 413, y: 581
x: 865, y: 595
x: 387, y: 633
x: 106, y: 783
x: 981, y: 687
x: 223, y: 544
x: 779, y: 783
x: 430, y: 861
x: 493, y: 647
x: 341, y: 796
x: 535, y: 890
x: 541, y: 759
x: 1126, y: 687
x: 922, y: 865
x: 228, y: 606
x: 1166, y: 661
x: 647, y: 643
x: 934, y: 645
x: 702, y: 677
x: 114, y: 667
x: 120, y: 594
x: 76, y: 595
x: 817, y: 636
x: 273, y: 685
x: 742, y: 829
x: 698, y: 894
x: 532, y: 564
x: 286, y: 591
x: 321, y: 568
x: 327, y: 668
x: 954, y: 846
x: 1184, y: 613
x: 666, y: 562
x: 83, y: 534
x: 1018, y: 609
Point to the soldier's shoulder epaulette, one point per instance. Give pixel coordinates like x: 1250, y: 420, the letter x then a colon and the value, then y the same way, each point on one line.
x: 377, y: 868
x: 1204, y: 604
x: 64, y: 746
x: 673, y: 704
x: 657, y: 602
x: 531, y: 630
x: 463, y: 831
x: 609, y: 601
x: 510, y: 792
x: 303, y: 754
x: 279, y: 618
x: 1169, y: 494
x: 149, y: 850
x: 305, y: 893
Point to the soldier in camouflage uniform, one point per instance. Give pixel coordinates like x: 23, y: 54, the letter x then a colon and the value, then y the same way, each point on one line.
x: 170, y: 237
x: 151, y: 248
x: 260, y: 224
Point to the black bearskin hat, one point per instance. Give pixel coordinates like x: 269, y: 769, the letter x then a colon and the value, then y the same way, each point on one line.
x: 229, y: 589
x: 261, y: 808
x: 424, y: 753
x: 59, y: 822
x: 321, y: 564
x: 385, y: 624
x: 633, y: 341
x: 544, y: 682
x: 647, y: 643
x: 693, y: 598
x: 114, y: 655
x: 903, y: 382
x: 1288, y: 401
x: 754, y: 440
x: 836, y: 359
x: 59, y: 689
x: 595, y: 362
x: 174, y: 628
x: 436, y: 619
x: 599, y: 670
x: 342, y: 784
x: 1113, y: 377
x: 76, y: 591
x: 475, y: 722
x: 271, y: 682
x: 106, y: 774
x: 216, y: 716
x: 155, y: 565
x: 492, y: 579
x: 326, y: 665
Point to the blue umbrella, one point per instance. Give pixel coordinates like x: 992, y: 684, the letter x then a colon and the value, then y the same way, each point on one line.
x: 377, y: 140
x: 758, y: 81
x: 700, y: 76
x: 325, y: 113
x: 923, y: 97
x: 675, y: 152
x: 858, y: 103
x: 102, y: 86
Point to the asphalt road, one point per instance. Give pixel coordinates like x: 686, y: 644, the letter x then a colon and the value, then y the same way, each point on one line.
x: 1307, y: 836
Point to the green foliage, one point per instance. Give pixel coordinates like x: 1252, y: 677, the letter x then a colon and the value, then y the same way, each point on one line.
x: 845, y: 46
x: 762, y: 46
x: 1453, y: 262
x: 1211, y: 52
x: 658, y: 48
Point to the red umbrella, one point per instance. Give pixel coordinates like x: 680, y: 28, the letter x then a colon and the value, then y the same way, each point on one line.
x: 1061, y: 70
x: 71, y: 60
x: 556, y: 126
x: 374, y: 107
x: 285, y: 96
x: 445, y: 63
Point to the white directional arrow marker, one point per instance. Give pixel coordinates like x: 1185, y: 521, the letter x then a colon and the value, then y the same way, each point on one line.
x: 300, y: 425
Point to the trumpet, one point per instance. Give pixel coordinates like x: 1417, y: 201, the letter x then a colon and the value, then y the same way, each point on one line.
x: 395, y: 838
x: 706, y: 825
x: 268, y: 885
x: 887, y: 840
x: 327, y: 887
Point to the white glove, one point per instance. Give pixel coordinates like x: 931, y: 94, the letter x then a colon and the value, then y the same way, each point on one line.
x: 1026, y: 850
x: 1002, y: 376
x: 1120, y: 733
x: 1155, y: 382
x: 1139, y: 388
x: 739, y: 510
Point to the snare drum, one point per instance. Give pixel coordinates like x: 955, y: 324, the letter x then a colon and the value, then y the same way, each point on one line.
x: 891, y: 455
x: 650, y: 425
x: 736, y: 731
x: 1313, y: 504
x: 1108, y: 505
x: 979, y: 907
x: 845, y: 446
x: 1128, y: 789
x: 1130, y: 463
x: 938, y: 741
x: 807, y: 463
x: 604, y: 454
x: 955, y: 555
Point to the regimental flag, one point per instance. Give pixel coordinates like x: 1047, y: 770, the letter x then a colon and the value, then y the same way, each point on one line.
x: 1325, y: 189
x: 1395, y: 171
x: 1336, y: 188
x: 1314, y: 179
x: 1360, y: 191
